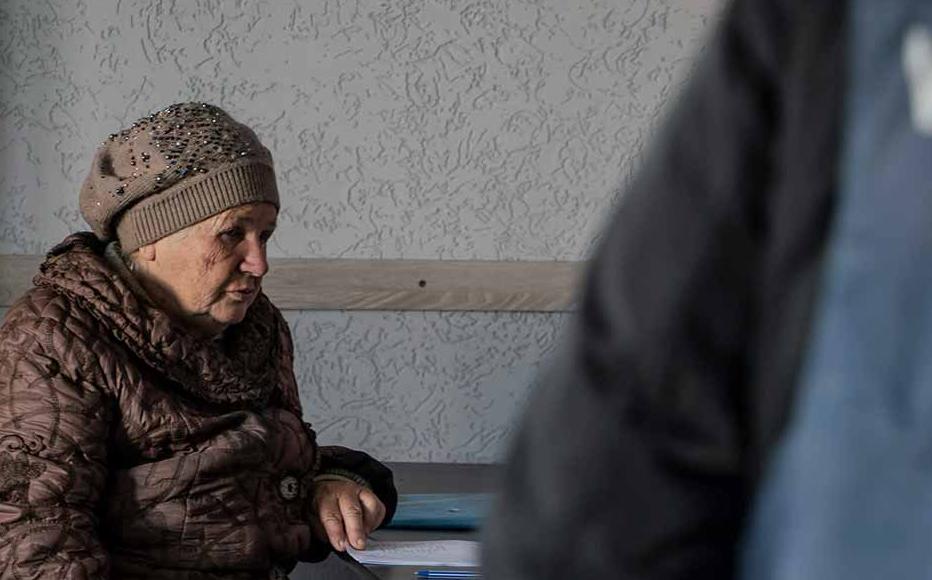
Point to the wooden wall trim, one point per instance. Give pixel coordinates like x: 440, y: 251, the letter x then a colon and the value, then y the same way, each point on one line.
x: 316, y: 284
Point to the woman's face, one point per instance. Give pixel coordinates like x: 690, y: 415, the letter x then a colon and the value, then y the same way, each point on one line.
x: 208, y: 275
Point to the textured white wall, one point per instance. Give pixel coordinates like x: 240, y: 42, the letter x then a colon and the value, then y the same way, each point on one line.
x: 487, y: 129
x: 419, y: 386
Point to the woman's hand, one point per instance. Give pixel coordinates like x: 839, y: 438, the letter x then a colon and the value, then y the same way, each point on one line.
x: 346, y: 513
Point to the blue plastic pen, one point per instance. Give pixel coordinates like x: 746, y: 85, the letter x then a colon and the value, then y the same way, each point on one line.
x: 447, y: 574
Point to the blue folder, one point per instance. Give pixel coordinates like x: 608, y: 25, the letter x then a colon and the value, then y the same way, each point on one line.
x: 441, y: 511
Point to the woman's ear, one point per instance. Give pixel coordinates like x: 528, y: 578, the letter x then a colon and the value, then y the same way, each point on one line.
x: 147, y: 252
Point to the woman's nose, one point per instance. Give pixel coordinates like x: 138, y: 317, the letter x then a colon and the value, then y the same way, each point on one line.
x: 255, y: 263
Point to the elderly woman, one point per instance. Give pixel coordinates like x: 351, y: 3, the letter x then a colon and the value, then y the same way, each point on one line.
x: 150, y: 425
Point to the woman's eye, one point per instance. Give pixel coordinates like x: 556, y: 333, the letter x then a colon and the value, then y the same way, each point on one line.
x: 231, y: 235
x: 265, y: 236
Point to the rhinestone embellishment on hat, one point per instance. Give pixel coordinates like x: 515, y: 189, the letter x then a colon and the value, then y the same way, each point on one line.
x: 192, y: 139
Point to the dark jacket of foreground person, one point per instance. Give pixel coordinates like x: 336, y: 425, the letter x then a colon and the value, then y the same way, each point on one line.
x: 640, y: 455
x: 134, y: 450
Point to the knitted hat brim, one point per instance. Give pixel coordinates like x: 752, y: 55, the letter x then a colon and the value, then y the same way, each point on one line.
x: 195, y: 200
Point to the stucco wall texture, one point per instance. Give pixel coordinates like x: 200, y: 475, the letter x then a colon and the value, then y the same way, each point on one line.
x: 428, y: 129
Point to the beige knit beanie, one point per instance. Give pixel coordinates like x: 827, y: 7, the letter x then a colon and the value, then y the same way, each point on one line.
x: 171, y: 170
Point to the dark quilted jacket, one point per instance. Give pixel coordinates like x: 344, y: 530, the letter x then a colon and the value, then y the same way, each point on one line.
x: 131, y: 449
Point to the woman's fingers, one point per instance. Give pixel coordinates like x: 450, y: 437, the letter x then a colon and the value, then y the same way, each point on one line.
x: 373, y: 509
x: 351, y: 510
x: 328, y: 513
x: 347, y: 513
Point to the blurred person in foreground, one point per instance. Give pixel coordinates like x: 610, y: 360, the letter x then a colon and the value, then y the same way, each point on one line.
x: 746, y: 391
x: 150, y: 425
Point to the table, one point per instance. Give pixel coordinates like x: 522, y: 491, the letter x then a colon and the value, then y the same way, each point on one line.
x: 412, y: 478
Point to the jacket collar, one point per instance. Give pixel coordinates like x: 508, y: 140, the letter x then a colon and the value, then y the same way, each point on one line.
x: 244, y: 367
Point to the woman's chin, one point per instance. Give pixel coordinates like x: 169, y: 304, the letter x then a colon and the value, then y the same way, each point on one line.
x: 223, y: 314
x: 232, y: 313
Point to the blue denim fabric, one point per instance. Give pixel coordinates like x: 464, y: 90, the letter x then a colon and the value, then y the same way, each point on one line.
x: 849, y: 492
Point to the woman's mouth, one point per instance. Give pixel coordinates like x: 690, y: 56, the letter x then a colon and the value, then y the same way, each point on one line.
x: 243, y: 293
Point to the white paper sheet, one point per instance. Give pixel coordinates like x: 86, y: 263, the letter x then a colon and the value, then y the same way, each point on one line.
x: 461, y: 553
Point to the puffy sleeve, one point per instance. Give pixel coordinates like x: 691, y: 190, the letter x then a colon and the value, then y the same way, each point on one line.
x: 53, y: 451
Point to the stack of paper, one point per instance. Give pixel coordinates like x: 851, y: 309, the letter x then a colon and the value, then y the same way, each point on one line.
x: 429, y: 553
